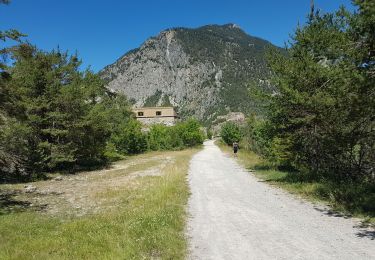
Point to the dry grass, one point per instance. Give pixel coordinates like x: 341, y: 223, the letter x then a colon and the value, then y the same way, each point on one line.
x: 135, y: 210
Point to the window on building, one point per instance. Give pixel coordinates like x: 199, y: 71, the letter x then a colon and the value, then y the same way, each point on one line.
x: 140, y: 113
x: 158, y: 113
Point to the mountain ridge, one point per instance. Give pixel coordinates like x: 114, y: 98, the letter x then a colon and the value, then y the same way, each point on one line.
x: 204, y: 72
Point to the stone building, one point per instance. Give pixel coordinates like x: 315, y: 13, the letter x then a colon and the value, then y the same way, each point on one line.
x: 156, y: 115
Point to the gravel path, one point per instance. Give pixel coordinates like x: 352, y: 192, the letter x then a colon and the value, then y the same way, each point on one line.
x: 235, y: 216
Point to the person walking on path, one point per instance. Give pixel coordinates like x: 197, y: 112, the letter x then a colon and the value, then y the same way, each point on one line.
x: 235, y: 148
x: 234, y: 215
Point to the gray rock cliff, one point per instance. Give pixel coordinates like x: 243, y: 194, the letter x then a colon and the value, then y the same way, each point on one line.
x: 203, y: 72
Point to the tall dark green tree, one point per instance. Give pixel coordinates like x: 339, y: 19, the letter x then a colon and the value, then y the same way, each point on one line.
x: 324, y: 106
x: 63, y: 118
x: 8, y: 159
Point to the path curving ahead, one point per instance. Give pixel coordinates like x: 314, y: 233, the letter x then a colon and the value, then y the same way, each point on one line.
x: 233, y: 215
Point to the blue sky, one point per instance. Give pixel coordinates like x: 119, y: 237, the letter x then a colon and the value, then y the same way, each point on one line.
x: 101, y: 31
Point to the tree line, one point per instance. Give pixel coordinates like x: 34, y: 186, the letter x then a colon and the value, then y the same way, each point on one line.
x: 320, y: 118
x: 56, y: 117
x: 317, y: 131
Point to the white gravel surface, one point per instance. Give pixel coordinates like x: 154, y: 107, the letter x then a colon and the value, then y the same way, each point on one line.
x: 234, y: 215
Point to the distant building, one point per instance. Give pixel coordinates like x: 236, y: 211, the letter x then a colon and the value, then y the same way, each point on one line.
x: 156, y: 115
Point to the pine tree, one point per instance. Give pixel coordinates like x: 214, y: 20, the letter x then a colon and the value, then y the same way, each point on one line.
x: 323, y: 110
x: 66, y: 116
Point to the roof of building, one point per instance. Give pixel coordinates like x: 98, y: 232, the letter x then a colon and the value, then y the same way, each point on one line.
x: 136, y: 108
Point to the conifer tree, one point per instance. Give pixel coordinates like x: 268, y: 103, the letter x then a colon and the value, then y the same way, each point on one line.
x: 62, y: 118
x: 324, y: 107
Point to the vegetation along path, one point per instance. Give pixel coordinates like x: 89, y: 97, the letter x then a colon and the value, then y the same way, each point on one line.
x: 233, y: 215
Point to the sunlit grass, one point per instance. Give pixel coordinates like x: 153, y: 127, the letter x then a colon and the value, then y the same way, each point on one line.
x: 147, y: 221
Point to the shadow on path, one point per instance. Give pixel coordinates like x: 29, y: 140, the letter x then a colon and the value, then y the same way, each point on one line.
x: 364, y: 229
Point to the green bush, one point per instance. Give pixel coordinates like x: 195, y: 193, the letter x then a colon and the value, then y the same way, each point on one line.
x: 209, y: 134
x: 191, y: 132
x: 130, y: 139
x: 111, y: 153
x: 184, y: 134
x: 159, y: 138
x: 230, y: 133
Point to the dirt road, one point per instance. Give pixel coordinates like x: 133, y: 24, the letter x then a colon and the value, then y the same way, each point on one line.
x: 235, y: 216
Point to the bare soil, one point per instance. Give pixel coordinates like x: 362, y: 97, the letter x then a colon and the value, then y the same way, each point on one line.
x: 80, y: 194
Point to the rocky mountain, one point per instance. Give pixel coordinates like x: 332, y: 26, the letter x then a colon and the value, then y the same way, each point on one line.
x: 204, y: 72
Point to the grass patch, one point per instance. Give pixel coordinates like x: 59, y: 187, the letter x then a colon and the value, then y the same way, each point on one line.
x: 147, y: 221
x: 349, y: 198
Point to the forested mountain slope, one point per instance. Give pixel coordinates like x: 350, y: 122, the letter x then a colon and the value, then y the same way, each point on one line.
x: 204, y: 72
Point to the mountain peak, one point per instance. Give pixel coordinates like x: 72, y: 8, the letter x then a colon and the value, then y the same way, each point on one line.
x: 232, y: 25
x: 203, y: 72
